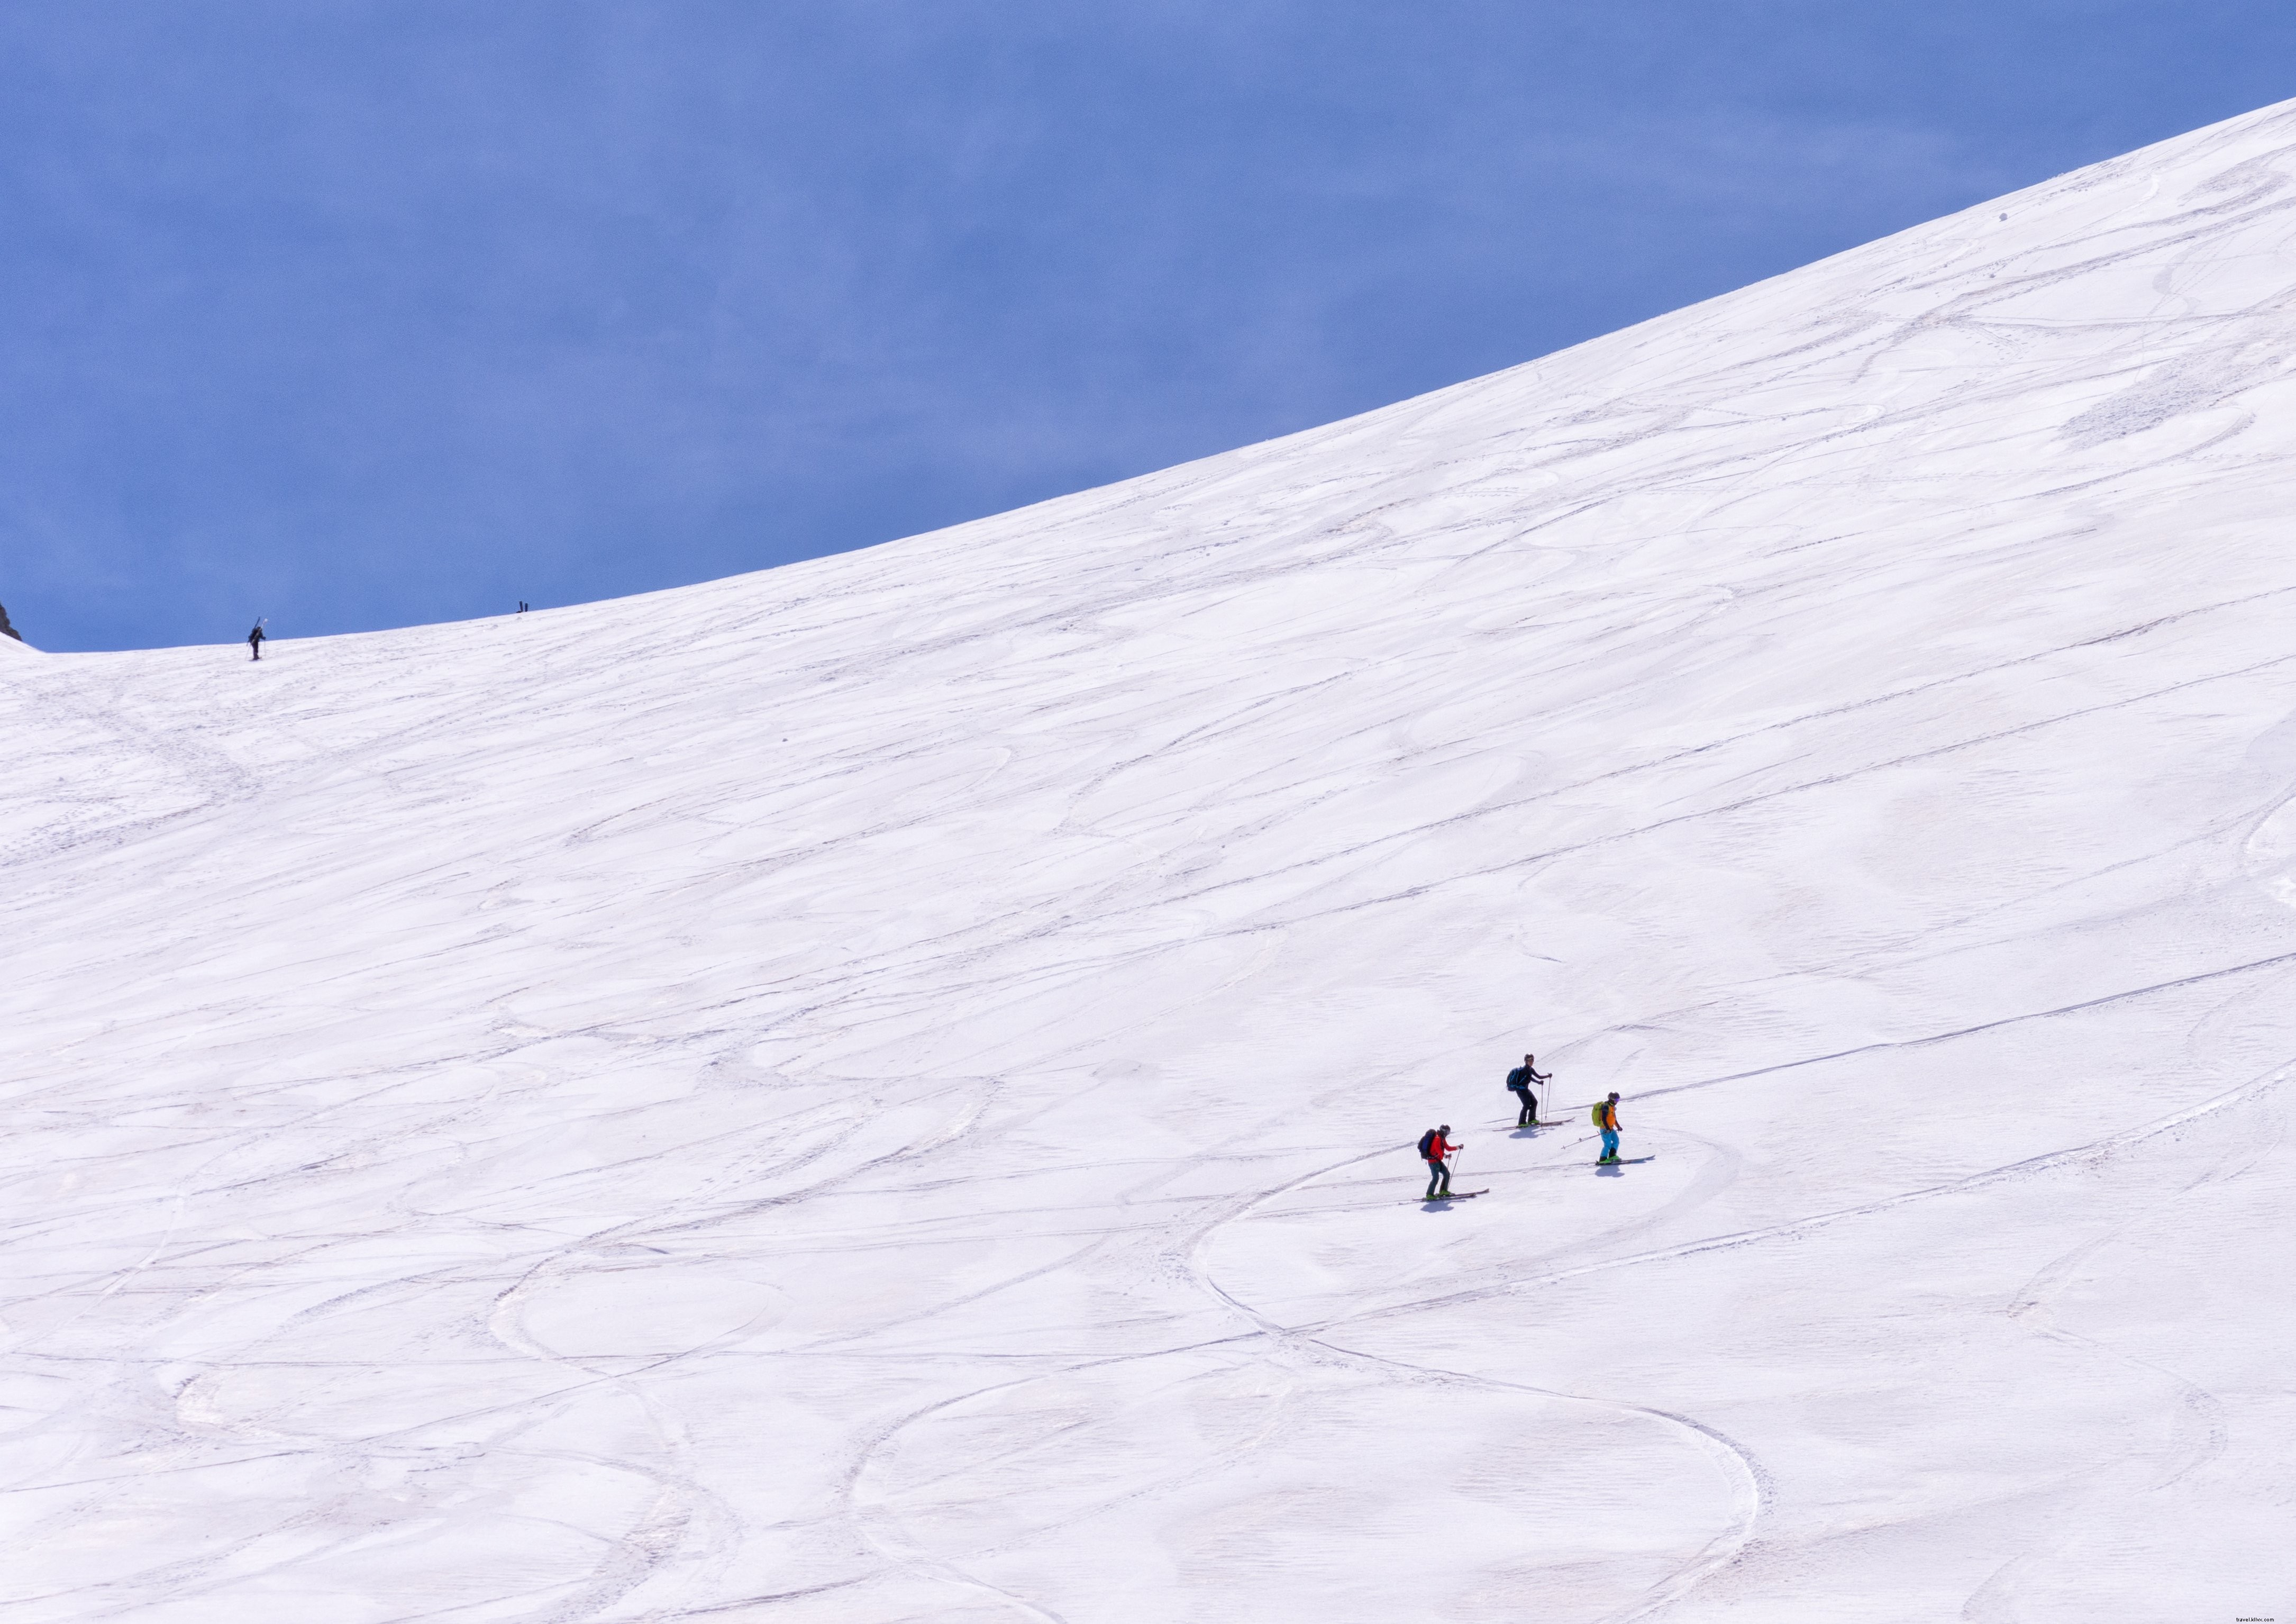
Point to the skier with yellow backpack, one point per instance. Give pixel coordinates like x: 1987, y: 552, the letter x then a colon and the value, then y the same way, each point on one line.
x: 1606, y: 1118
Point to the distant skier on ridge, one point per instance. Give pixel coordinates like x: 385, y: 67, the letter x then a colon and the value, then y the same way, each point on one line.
x: 1434, y: 1145
x: 255, y: 641
x: 1519, y: 1082
x: 1606, y: 1118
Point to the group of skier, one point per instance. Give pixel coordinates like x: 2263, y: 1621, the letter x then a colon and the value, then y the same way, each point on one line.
x: 1436, y: 1146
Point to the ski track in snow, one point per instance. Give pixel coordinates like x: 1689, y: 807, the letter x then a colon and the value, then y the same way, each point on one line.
x: 1675, y: 1585
x: 850, y: 1092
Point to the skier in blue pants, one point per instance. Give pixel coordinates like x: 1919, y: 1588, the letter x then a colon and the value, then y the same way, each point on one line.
x: 1606, y: 1118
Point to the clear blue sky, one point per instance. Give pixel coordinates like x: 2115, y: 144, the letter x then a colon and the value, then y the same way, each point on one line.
x: 356, y: 315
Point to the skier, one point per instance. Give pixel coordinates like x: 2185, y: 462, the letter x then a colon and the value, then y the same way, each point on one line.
x: 255, y: 641
x: 1519, y: 1082
x: 1606, y: 1118
x: 1435, y: 1145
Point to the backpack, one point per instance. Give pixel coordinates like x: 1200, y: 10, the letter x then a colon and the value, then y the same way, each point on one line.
x: 1598, y: 1115
x: 1426, y: 1140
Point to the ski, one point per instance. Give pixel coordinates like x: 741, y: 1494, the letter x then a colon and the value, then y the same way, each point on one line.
x: 1457, y: 1196
x: 1628, y: 1161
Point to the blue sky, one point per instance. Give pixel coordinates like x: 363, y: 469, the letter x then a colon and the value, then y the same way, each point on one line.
x: 358, y: 315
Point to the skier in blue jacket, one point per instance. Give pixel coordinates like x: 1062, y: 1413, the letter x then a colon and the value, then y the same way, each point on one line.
x: 1519, y: 1082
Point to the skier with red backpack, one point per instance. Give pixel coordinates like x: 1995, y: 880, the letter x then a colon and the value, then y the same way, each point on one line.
x: 1434, y: 1145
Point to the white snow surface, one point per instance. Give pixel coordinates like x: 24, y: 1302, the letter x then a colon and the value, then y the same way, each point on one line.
x: 885, y: 1089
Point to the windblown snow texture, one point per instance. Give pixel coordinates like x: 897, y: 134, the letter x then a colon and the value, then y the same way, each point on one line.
x: 885, y: 1089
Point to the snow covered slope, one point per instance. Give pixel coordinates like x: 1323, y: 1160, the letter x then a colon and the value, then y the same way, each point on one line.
x: 883, y: 1090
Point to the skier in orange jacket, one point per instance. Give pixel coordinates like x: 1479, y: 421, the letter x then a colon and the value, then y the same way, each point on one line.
x: 1606, y: 1118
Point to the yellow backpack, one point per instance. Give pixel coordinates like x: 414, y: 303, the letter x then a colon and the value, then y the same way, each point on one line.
x: 1597, y: 1114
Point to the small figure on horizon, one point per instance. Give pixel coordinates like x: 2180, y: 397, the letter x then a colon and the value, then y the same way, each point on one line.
x: 1606, y: 1118
x: 522, y: 606
x: 1519, y: 1082
x: 1434, y: 1145
x: 255, y: 641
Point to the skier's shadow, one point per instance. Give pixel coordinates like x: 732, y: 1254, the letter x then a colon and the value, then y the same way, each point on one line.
x: 1614, y: 1171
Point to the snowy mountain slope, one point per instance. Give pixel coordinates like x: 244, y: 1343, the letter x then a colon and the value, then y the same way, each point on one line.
x: 883, y: 1089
